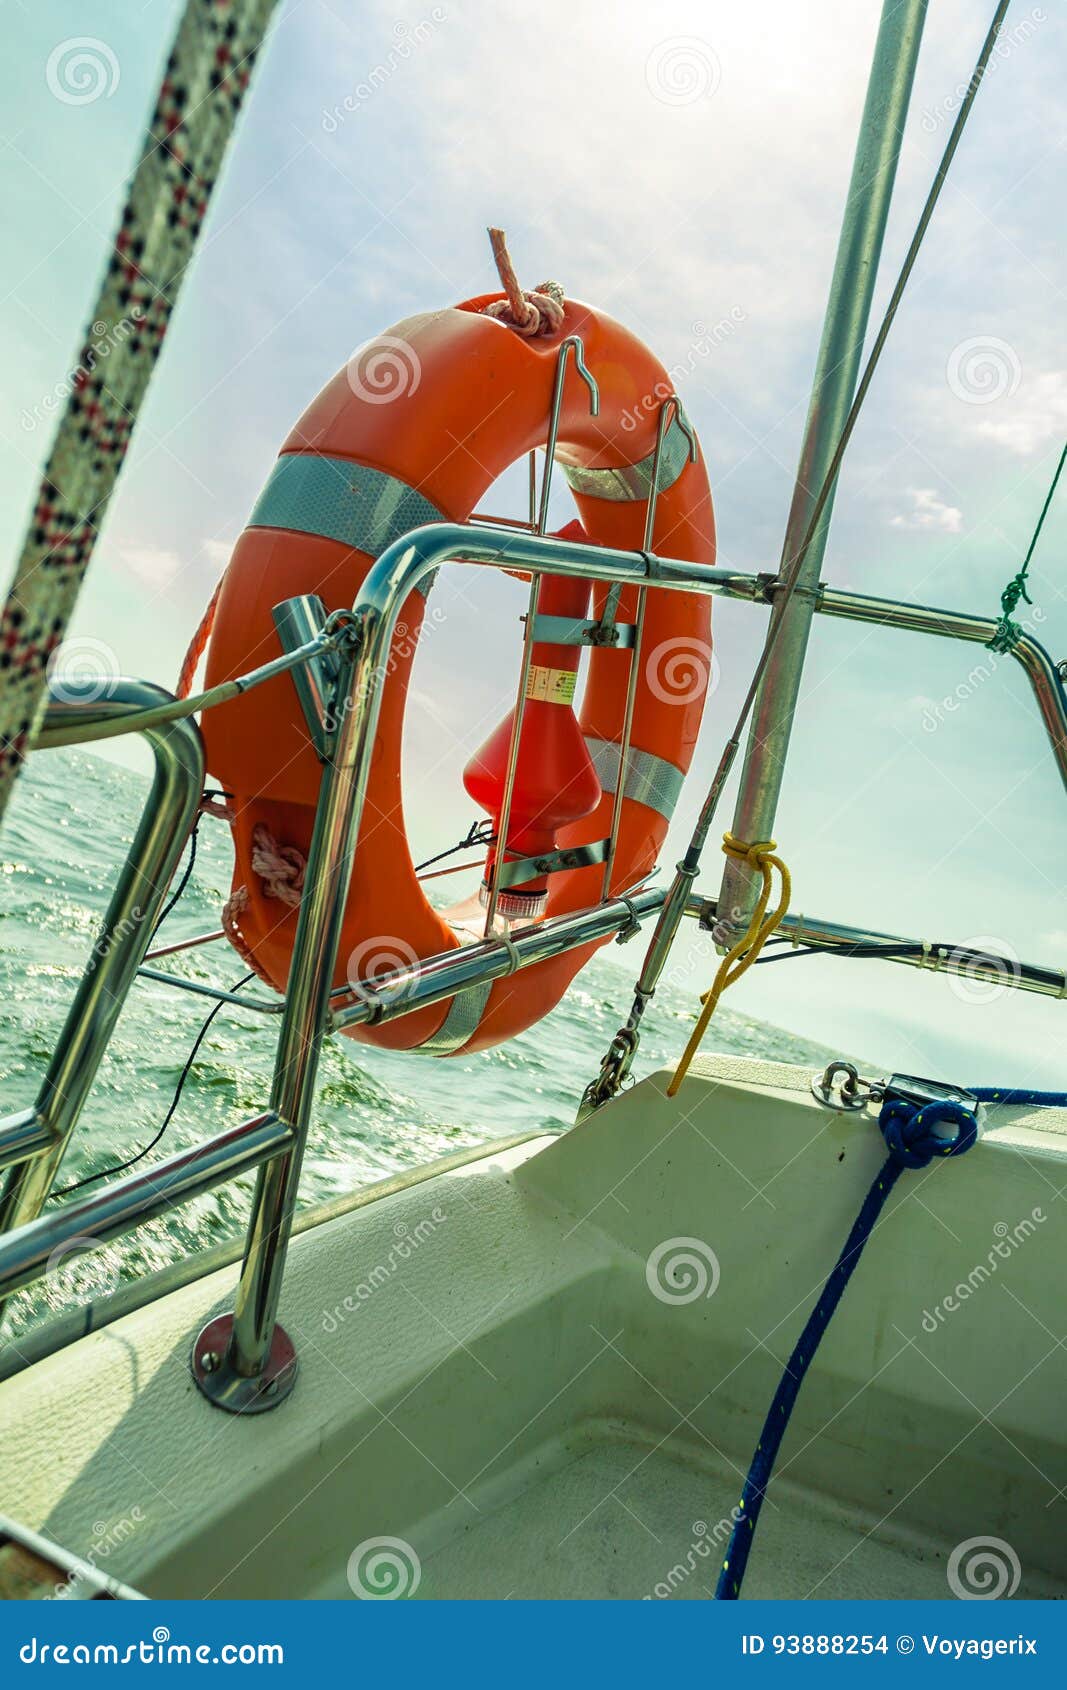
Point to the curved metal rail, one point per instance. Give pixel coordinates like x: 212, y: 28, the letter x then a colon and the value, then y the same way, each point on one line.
x: 243, y: 1375
x: 37, y: 1137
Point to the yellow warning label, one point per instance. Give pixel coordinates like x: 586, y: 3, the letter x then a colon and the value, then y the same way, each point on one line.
x: 551, y: 686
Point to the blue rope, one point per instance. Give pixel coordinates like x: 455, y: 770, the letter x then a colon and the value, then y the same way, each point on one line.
x: 1041, y: 1099
x: 913, y: 1140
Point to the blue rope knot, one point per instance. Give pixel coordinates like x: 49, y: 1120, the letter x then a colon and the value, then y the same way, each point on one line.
x: 912, y: 1137
x: 915, y: 1133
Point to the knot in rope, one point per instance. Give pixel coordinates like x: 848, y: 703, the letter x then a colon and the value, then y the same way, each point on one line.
x: 911, y: 1134
x: 530, y: 312
x: 760, y: 855
x: 281, y: 868
x: 913, y: 1140
x: 1013, y: 592
x: 1007, y: 633
x: 755, y: 855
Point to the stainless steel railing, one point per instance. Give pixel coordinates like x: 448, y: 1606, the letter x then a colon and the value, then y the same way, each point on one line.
x: 34, y: 1139
x: 244, y: 1362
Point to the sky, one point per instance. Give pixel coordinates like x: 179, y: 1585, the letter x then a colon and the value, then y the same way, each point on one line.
x: 683, y: 166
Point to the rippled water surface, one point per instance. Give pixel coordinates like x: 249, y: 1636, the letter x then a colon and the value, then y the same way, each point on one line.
x: 72, y: 819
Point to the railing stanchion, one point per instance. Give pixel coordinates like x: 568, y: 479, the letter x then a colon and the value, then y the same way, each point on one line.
x: 124, y: 933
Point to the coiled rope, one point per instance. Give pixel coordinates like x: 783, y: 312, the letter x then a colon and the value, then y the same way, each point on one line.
x: 539, y: 311
x: 913, y: 1140
x: 741, y: 955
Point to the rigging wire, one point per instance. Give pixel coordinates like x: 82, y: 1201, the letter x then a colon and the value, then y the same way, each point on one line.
x: 1007, y: 630
x: 479, y: 833
x: 790, y: 574
x: 131, y: 1161
x: 210, y: 792
x: 120, y: 1167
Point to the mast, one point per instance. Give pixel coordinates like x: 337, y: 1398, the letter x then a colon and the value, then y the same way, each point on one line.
x: 844, y: 327
x: 874, y: 167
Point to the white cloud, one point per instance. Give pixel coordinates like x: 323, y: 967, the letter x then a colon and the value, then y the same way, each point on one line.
x: 929, y: 511
x: 153, y: 565
x: 1030, y: 418
x: 219, y: 552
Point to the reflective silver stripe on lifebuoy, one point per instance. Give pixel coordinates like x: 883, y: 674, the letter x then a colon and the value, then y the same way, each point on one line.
x: 634, y: 481
x: 341, y: 500
x: 650, y: 780
x: 460, y: 1024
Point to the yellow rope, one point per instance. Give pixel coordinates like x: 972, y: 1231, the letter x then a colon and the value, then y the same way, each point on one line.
x: 743, y: 954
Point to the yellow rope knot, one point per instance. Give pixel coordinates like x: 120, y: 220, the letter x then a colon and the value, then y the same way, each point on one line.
x: 742, y: 954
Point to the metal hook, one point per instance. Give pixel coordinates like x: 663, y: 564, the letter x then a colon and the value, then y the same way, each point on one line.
x: 669, y: 411
x: 573, y: 344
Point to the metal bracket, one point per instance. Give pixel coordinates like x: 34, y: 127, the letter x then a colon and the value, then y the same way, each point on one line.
x: 568, y: 630
x: 770, y: 584
x: 853, y: 1093
x: 220, y: 1382
x: 840, y: 1087
x: 298, y: 620
x: 514, y: 872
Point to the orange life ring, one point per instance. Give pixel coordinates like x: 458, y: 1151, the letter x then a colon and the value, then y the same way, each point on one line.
x: 467, y: 398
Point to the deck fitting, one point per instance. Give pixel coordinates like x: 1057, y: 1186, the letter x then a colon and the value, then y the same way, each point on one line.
x: 222, y: 1385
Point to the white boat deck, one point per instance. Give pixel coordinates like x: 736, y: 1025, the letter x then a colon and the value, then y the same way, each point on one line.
x: 628, y: 1521
x: 489, y: 1377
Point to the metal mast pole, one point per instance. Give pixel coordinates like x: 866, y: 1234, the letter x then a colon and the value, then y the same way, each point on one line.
x: 892, y: 72
x: 844, y: 327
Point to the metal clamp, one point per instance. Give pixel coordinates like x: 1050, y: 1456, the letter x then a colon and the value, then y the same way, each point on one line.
x: 514, y: 871
x: 848, y: 1093
x: 571, y: 630
x: 855, y: 1093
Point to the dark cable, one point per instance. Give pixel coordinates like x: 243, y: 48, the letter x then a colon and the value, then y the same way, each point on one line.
x: 183, y: 882
x: 120, y: 1167
x: 211, y: 792
x: 476, y: 835
x: 842, y: 950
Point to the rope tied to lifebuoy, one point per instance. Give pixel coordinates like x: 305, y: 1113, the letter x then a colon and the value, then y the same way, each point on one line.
x: 529, y: 312
x: 198, y: 643
x: 281, y: 868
